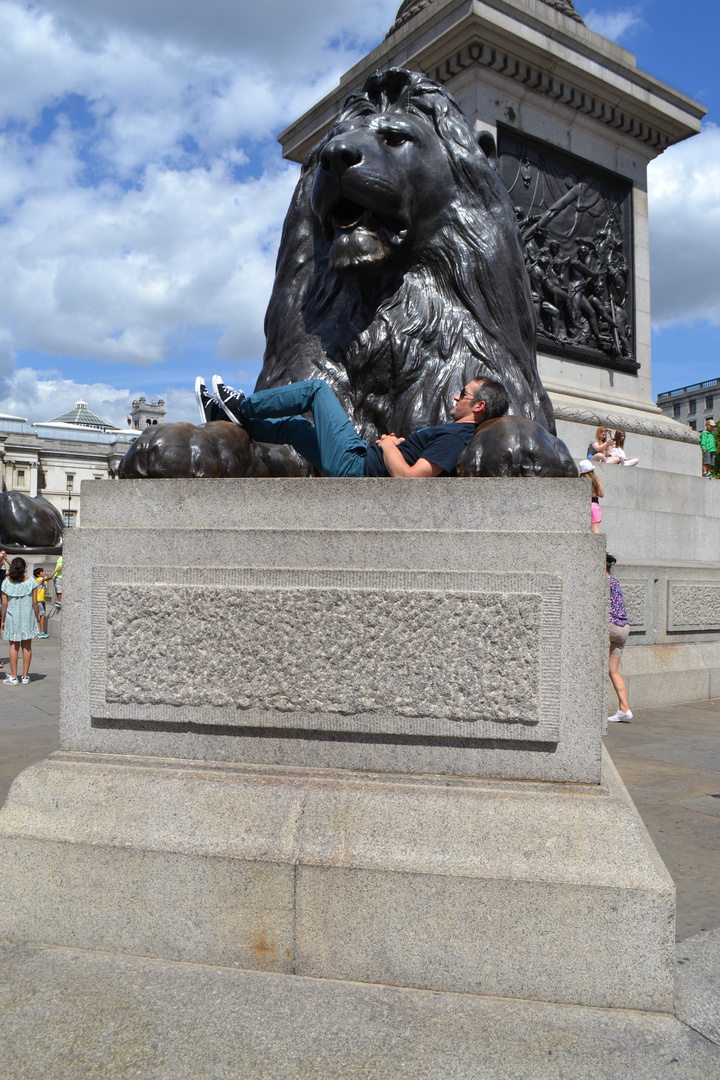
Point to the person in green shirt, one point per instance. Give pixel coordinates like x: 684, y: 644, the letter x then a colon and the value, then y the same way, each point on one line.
x: 57, y: 574
x: 708, y: 448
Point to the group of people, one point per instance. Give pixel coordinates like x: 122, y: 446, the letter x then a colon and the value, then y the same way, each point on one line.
x: 610, y: 450
x: 23, y: 611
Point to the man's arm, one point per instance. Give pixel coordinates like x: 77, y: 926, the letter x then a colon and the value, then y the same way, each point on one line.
x: 396, y: 464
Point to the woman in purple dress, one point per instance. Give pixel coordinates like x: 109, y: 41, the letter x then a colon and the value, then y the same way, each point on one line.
x: 619, y: 630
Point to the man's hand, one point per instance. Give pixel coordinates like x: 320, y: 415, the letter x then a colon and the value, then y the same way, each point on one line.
x: 396, y: 464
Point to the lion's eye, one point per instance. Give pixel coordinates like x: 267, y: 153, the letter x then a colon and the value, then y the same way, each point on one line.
x: 395, y: 138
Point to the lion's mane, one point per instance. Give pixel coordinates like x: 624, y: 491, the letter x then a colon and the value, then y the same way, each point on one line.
x: 396, y: 347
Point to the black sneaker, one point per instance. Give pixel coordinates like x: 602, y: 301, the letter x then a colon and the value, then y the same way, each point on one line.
x: 229, y: 399
x: 209, y: 406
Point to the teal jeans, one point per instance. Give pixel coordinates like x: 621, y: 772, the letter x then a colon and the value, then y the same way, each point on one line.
x: 331, y: 443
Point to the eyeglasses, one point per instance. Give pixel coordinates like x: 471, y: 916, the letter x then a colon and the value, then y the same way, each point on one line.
x: 464, y: 393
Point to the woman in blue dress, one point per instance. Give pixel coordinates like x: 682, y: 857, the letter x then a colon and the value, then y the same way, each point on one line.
x: 18, y: 618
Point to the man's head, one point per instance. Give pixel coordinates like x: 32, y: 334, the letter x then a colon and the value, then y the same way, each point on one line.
x: 480, y: 399
x: 709, y: 425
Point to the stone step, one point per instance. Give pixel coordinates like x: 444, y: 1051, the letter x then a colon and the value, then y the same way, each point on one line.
x: 84, y: 1015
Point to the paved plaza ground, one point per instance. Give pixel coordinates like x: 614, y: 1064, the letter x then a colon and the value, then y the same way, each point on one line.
x: 68, y: 1014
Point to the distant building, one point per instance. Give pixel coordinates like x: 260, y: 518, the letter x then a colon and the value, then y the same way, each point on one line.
x: 52, y: 458
x: 144, y: 414
x: 692, y: 405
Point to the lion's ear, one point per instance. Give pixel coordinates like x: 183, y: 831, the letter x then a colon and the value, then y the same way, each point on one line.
x: 486, y: 142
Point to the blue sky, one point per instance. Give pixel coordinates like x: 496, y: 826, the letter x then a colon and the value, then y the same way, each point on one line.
x: 676, y: 42
x: 142, y: 190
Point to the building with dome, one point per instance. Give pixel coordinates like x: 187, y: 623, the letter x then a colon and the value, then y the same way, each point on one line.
x: 53, y: 457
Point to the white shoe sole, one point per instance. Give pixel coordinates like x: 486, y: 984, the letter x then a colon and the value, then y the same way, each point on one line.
x: 199, y: 384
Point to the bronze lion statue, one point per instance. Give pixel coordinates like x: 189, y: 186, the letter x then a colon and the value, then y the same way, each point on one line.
x: 399, y: 278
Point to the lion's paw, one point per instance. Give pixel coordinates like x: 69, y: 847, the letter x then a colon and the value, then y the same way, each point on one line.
x: 218, y: 449
x: 515, y: 446
x: 30, y: 522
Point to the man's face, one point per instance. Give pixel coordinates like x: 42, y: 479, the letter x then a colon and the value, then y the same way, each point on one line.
x: 465, y: 404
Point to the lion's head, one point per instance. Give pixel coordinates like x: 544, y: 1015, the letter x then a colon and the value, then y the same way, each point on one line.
x: 400, y: 274
x: 375, y: 192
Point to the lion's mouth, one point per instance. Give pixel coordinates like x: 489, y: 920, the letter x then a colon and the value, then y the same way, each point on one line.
x: 347, y: 216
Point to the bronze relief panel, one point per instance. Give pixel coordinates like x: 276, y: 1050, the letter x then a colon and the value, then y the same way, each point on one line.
x: 575, y: 224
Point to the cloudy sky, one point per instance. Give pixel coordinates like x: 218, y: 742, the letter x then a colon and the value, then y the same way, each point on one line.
x: 142, y: 189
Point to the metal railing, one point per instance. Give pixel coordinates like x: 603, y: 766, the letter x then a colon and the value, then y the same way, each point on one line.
x: 689, y: 389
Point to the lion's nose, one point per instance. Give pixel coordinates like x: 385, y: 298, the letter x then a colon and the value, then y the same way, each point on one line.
x: 338, y: 156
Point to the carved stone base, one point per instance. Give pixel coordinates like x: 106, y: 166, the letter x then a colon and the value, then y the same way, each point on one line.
x: 549, y: 892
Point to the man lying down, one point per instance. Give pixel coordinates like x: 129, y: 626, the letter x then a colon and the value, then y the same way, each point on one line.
x: 332, y: 445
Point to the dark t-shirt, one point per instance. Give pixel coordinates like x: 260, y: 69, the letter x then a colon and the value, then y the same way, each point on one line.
x: 440, y: 444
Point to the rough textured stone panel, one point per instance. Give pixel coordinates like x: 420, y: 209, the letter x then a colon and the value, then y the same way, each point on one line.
x: 693, y: 606
x: 635, y: 596
x: 422, y: 652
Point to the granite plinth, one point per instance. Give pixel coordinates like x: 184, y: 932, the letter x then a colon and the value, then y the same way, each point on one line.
x: 442, y: 626
x: 348, y: 729
x: 549, y: 892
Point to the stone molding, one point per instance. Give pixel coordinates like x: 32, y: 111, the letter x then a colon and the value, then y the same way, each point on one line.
x: 410, y: 8
x: 566, y: 7
x: 597, y: 417
x: 544, y: 83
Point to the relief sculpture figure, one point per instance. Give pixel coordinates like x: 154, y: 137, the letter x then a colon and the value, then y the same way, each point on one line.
x: 400, y: 279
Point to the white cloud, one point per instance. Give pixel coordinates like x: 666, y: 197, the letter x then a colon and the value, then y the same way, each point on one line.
x: 43, y: 395
x: 684, y: 207
x: 614, y: 24
x: 111, y: 274
x: 289, y: 36
x: 124, y: 226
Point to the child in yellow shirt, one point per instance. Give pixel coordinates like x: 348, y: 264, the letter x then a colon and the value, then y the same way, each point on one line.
x: 41, y: 592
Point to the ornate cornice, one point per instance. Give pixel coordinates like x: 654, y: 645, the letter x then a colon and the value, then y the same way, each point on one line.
x: 547, y: 85
x: 596, y: 417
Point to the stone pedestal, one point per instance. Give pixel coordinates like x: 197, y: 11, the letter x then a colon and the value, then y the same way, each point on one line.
x: 341, y: 728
